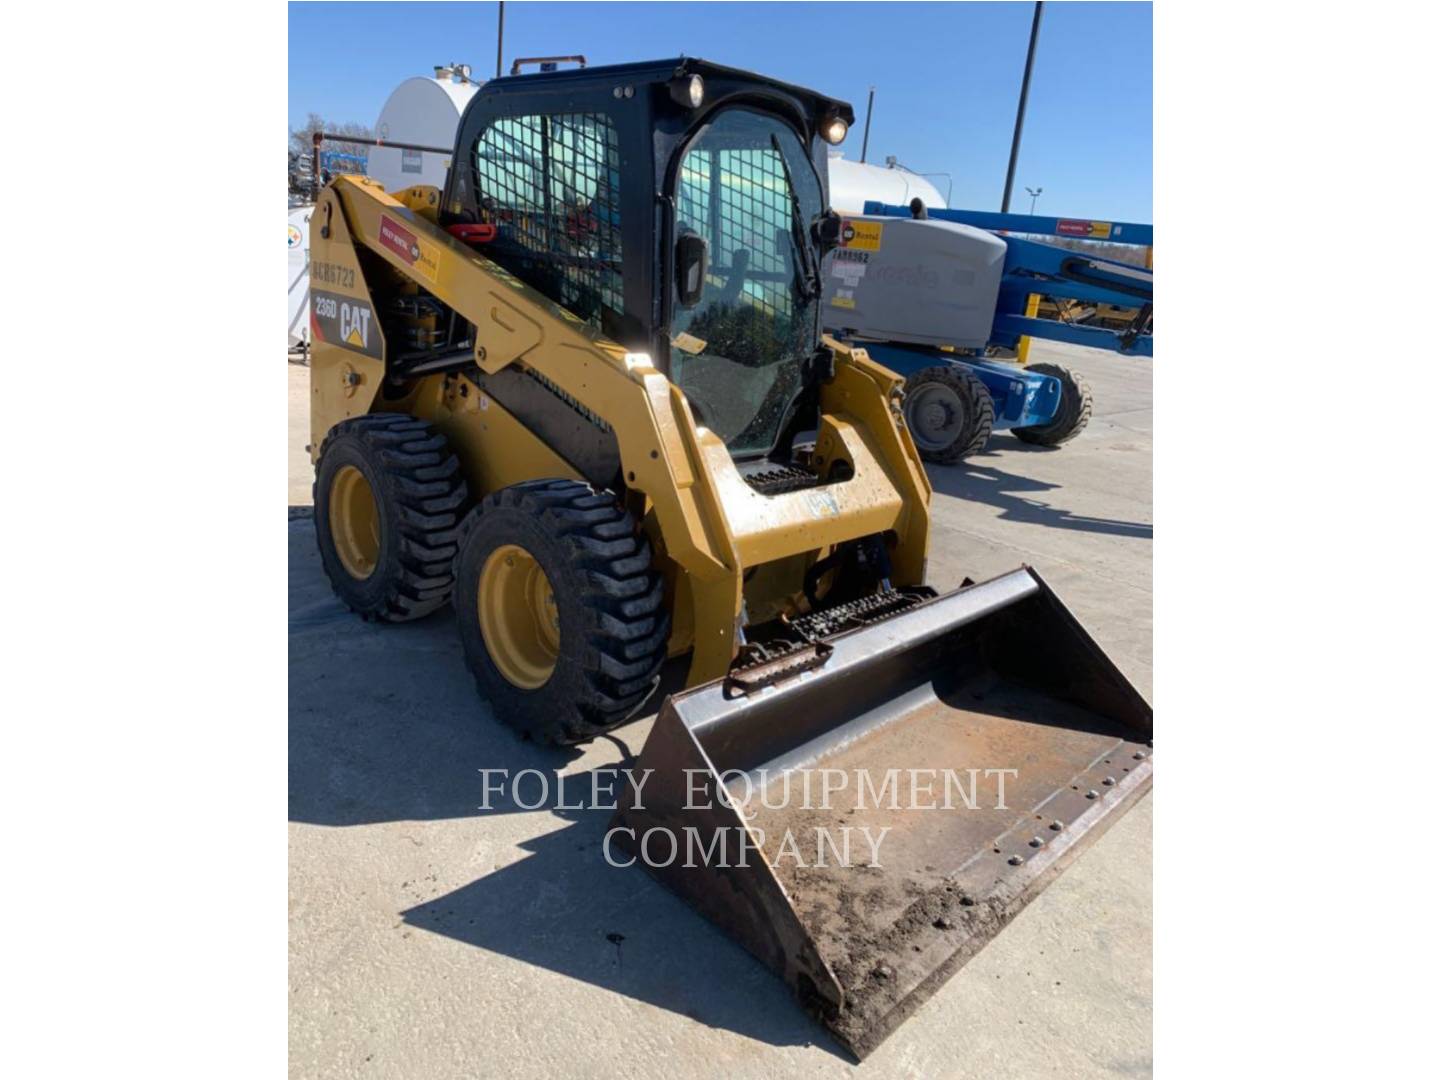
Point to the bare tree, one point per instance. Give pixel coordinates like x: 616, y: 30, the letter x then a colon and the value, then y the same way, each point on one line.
x: 1126, y: 253
x: 342, y: 157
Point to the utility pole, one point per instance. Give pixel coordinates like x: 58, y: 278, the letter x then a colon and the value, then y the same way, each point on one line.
x: 1020, y: 112
x: 1034, y: 194
x: 500, y: 41
x: 869, y: 107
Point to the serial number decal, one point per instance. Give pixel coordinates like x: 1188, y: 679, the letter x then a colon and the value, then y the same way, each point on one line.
x: 333, y: 274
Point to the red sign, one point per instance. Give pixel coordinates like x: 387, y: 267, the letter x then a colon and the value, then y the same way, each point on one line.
x: 399, y: 240
x: 407, y: 245
x: 1094, y: 230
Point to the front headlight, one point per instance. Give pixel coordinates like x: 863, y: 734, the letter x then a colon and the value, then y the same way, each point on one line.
x: 688, y: 91
x: 833, y: 130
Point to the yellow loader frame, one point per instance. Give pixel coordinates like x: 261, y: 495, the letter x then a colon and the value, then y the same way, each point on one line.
x: 710, y: 529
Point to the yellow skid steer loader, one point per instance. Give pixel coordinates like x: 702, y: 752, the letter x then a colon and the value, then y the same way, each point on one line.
x: 582, y: 395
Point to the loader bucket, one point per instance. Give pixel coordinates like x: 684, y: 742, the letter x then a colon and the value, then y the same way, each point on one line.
x: 996, y: 676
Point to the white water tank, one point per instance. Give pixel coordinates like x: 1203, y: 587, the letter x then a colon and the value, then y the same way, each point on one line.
x: 854, y: 182
x: 297, y: 241
x: 423, y: 112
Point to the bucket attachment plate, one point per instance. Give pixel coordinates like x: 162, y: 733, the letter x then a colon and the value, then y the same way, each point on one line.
x: 848, y: 823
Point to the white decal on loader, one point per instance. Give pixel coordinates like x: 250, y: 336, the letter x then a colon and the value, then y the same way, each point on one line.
x: 355, y: 324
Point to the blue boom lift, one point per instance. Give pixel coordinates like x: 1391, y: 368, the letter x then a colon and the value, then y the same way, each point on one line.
x: 946, y: 298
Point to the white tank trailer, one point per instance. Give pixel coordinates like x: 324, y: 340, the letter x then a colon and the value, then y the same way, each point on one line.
x: 422, y: 112
x: 853, y: 182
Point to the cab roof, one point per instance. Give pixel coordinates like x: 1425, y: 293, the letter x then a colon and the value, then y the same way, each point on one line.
x: 662, y: 71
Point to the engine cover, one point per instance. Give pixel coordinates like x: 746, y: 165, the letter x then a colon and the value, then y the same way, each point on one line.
x: 925, y: 282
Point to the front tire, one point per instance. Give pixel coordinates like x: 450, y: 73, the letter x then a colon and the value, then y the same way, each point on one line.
x: 1071, y: 416
x: 560, y: 612
x: 389, y: 497
x: 949, y: 412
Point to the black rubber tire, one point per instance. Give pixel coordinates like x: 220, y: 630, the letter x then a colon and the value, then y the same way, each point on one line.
x: 1072, y: 415
x: 614, y: 627
x: 979, y: 411
x: 421, y: 498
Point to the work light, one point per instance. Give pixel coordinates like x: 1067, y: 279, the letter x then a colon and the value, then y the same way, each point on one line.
x: 688, y: 91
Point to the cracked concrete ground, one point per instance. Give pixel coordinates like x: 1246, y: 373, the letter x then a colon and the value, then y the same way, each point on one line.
x: 431, y: 939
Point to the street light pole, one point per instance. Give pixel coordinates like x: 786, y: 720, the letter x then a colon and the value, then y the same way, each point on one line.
x: 1020, y: 112
x: 1034, y: 194
x: 869, y: 107
x: 500, y: 40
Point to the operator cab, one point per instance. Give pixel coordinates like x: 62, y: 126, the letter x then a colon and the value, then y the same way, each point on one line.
x: 679, y: 208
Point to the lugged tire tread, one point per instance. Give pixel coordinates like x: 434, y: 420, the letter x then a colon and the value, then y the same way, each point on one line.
x: 1076, y: 405
x: 968, y: 387
x: 427, y: 492
x: 621, y: 593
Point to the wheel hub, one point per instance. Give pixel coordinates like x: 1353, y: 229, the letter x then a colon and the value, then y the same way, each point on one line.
x: 519, y: 616
x: 935, y: 415
x: 355, y: 522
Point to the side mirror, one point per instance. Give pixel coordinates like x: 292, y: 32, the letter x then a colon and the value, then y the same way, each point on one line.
x: 827, y: 230
x: 692, y: 262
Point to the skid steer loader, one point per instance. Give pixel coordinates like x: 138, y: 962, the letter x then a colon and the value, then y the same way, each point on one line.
x: 582, y: 395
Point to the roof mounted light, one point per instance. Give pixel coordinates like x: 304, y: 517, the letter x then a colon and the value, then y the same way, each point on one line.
x: 833, y: 130
x: 687, y: 91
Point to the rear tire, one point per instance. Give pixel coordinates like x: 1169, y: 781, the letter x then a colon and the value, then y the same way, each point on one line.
x: 1072, y: 415
x: 560, y: 612
x: 949, y: 413
x: 389, y: 497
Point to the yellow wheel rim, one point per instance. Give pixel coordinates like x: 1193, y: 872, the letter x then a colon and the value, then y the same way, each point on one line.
x: 354, y: 522
x: 518, y: 616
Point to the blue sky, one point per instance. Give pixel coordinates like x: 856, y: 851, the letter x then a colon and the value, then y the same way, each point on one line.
x: 947, y: 76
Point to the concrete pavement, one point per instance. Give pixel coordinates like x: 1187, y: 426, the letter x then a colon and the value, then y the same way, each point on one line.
x: 432, y: 939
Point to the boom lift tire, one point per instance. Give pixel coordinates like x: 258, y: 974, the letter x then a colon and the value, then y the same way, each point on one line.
x: 1072, y: 415
x: 389, y: 497
x: 561, y: 612
x: 949, y: 412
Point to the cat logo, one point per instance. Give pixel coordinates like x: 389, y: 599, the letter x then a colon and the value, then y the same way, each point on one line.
x: 355, y: 325
x: 342, y: 320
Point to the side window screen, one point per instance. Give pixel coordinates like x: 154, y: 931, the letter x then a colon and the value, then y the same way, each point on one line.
x: 747, y: 186
x: 746, y: 213
x: 552, y: 186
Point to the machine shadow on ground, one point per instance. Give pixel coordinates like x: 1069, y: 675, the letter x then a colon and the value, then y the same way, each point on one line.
x: 1014, y: 496
x: 563, y: 908
x: 402, y: 736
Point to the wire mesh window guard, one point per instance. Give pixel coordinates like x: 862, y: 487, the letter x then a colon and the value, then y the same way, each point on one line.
x: 552, y: 185
x: 737, y: 351
x: 748, y: 211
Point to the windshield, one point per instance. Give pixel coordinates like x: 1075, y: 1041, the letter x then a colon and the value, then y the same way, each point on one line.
x: 747, y: 186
